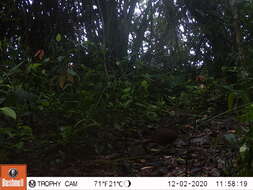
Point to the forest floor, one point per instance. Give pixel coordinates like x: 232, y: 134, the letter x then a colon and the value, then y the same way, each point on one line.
x: 206, y: 149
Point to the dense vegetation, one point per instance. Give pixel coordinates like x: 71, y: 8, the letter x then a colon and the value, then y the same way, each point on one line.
x: 83, y: 84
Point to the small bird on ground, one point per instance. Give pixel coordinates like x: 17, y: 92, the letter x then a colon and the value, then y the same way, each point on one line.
x: 164, y: 136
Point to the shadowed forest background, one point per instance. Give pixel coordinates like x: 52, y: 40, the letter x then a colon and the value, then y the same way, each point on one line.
x: 127, y: 87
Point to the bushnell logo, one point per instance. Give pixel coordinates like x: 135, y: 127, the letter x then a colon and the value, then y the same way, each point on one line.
x: 13, y: 176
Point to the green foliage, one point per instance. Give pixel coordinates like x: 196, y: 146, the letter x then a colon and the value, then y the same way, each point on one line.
x: 239, y: 101
x: 87, y: 96
x: 8, y: 112
x: 58, y: 37
x: 246, y: 153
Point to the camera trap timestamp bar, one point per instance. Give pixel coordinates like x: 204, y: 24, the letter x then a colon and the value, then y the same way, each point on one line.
x: 140, y: 183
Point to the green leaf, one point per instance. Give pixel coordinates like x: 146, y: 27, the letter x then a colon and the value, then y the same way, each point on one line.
x: 144, y: 84
x: 19, y: 146
x: 8, y: 112
x: 243, y: 148
x: 231, y: 98
x: 7, y: 132
x: 127, y: 90
x: 243, y: 151
x: 45, y: 103
x: 33, y: 67
x: 58, y: 37
x: 25, y: 131
x: 15, y: 68
x: 248, y: 115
